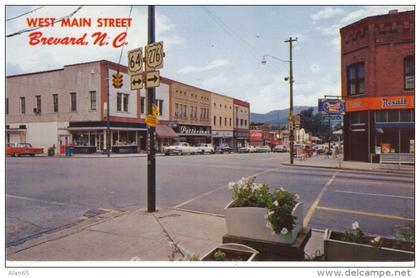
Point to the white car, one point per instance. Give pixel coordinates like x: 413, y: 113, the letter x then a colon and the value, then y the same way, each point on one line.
x: 247, y: 149
x: 205, y: 148
x: 180, y: 149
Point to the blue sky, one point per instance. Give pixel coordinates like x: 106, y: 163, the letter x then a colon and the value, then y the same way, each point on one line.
x: 218, y: 48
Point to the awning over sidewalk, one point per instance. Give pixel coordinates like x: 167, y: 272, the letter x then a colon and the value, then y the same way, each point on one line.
x: 164, y: 131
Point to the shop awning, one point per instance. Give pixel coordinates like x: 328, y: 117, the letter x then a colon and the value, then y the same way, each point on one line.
x: 163, y: 131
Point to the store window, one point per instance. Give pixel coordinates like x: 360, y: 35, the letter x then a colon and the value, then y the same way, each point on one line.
x: 356, y: 79
x: 409, y: 72
x: 393, y: 116
x: 381, y: 116
x: 55, y: 103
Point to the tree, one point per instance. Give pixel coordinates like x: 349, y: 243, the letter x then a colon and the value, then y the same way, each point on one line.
x: 313, y: 123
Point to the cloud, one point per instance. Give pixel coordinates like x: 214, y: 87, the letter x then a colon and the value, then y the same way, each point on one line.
x: 315, y: 68
x: 330, y: 30
x: 327, y: 13
x: 213, y: 65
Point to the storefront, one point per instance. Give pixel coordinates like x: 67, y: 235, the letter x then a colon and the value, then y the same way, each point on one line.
x: 165, y: 136
x: 90, y: 137
x: 220, y: 137
x: 193, y: 134
x: 241, y: 137
x: 375, y: 125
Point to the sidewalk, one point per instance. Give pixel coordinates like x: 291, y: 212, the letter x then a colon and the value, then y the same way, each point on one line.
x: 165, y: 235
x: 321, y: 161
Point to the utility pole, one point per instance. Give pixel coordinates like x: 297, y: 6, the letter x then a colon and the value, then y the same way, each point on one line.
x: 292, y: 129
x: 151, y: 156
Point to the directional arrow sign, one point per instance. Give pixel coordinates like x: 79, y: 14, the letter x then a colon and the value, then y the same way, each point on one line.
x: 136, y: 81
x: 152, y: 79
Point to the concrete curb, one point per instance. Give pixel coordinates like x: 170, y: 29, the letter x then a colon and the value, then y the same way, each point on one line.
x: 353, y: 169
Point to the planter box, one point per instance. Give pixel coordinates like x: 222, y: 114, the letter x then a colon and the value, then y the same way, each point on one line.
x: 338, y: 250
x: 249, y: 222
x: 233, y: 251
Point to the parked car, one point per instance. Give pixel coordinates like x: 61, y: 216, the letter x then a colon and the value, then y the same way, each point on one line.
x: 280, y: 149
x: 205, y: 148
x: 19, y: 149
x: 180, y: 149
x: 224, y: 148
x: 247, y: 149
x: 262, y: 149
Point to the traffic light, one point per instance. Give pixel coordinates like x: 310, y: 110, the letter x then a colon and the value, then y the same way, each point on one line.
x: 117, y: 80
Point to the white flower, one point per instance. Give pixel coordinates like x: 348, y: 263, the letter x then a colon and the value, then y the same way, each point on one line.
x: 355, y: 225
x: 270, y: 212
x: 284, y: 231
x: 276, y: 203
x: 282, y: 189
x: 377, y: 239
x: 231, y: 185
x: 268, y: 225
x: 297, y: 196
x: 266, y: 216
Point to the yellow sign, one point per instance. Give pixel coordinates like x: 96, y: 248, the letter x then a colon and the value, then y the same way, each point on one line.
x: 151, y: 120
x: 155, y: 110
x: 152, y: 79
x: 136, y: 81
x: 135, y: 61
x: 154, y: 56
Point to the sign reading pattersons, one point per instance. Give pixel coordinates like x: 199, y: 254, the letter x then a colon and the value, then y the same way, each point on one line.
x: 194, y: 130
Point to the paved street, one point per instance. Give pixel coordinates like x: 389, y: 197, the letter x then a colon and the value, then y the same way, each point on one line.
x: 44, y: 193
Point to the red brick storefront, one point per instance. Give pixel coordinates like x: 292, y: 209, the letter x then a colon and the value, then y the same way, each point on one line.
x: 377, y: 73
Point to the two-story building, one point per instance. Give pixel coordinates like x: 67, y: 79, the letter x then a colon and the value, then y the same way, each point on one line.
x: 377, y: 73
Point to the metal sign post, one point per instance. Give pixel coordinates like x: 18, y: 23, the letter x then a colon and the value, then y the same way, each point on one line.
x: 151, y: 155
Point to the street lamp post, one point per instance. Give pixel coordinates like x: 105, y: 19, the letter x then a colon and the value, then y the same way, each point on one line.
x: 290, y: 79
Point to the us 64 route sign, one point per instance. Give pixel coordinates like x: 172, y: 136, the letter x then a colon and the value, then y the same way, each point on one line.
x: 154, y: 56
x: 135, y: 61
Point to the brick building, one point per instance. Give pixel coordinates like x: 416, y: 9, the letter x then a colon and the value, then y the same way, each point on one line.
x: 241, y: 116
x: 68, y: 106
x: 377, y: 73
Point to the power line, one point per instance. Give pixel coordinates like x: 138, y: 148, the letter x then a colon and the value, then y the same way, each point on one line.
x: 36, y: 28
x: 122, y: 48
x: 8, y: 19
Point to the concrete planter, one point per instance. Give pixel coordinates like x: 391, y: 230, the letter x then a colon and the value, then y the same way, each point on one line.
x: 233, y: 252
x: 338, y: 250
x: 249, y: 222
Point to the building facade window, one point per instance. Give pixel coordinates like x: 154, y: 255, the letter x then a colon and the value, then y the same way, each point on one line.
x: 225, y: 121
x: 122, y: 102
x: 246, y: 123
x: 92, y: 100
x: 73, y: 102
x: 230, y: 121
x: 55, y: 102
x: 6, y: 106
x: 176, y: 110
x: 356, y: 79
x: 38, y: 104
x: 214, y: 120
x: 142, y: 99
x: 22, y: 105
x: 160, y: 106
x: 220, y: 121
x: 409, y: 72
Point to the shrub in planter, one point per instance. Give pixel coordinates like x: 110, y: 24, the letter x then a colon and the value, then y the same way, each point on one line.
x: 257, y: 213
x: 354, y: 245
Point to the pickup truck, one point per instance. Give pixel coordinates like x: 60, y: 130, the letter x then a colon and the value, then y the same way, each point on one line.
x: 18, y: 149
x: 180, y: 149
